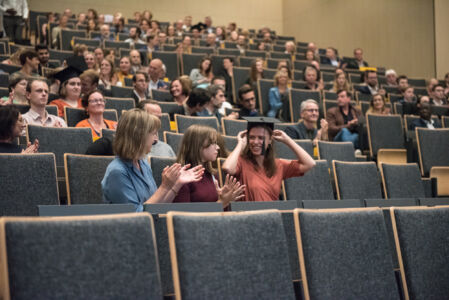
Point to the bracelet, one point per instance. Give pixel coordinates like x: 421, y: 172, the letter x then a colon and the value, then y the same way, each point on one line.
x: 175, y: 192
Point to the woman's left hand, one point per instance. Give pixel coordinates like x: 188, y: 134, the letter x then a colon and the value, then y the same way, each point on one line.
x: 232, y: 190
x: 190, y: 175
x: 280, y: 136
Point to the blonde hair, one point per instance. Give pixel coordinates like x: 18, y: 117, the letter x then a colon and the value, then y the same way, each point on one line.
x: 132, y: 133
x: 195, y: 139
x: 278, y: 75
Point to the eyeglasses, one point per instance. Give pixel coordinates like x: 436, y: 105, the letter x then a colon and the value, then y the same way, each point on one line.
x: 96, y: 101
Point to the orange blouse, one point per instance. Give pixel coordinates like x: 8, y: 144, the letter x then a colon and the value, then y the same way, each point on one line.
x: 60, y: 103
x: 96, y: 135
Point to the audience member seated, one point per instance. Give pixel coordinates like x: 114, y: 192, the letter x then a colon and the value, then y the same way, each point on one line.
x: 312, y: 47
x: 92, y: 25
x: 156, y: 71
x: 136, y: 61
x: 278, y: 97
x: 413, y: 108
x: 391, y: 77
x: 29, y: 61
x: 107, y: 74
x: 37, y: 96
x: 199, y: 148
x: 255, y: 73
x: 310, y: 56
x: 140, y: 84
x: 89, y: 81
x: 358, y: 62
x: 345, y: 121
x: 402, y: 83
x: 247, y: 102
x: 196, y: 101
x: 425, y: 119
x: 241, y: 44
x: 94, y: 104
x: 446, y: 85
x: 430, y: 84
x: 307, y: 128
x: 202, y: 75
x: 11, y: 127
x: 377, y: 105
x: 227, y: 73
x: 312, y: 77
x: 43, y: 55
x: 124, y: 71
x: 285, y: 65
x: 17, y: 91
x: 341, y: 83
x: 371, y: 85
x: 128, y: 178
x: 106, y: 34
x: 290, y: 48
x: 439, y: 98
x: 253, y: 160
x: 99, y: 56
x: 70, y: 90
x: 57, y: 30
x: 211, y: 108
x: 331, y: 57
x: 179, y: 89
x: 89, y: 57
x: 409, y: 96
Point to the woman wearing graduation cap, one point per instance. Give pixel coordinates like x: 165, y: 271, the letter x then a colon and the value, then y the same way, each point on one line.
x: 253, y: 160
x: 70, y: 90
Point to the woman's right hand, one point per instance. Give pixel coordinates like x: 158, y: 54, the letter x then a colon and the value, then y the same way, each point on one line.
x: 241, y: 138
x: 187, y: 175
x: 170, y: 175
x: 31, y: 148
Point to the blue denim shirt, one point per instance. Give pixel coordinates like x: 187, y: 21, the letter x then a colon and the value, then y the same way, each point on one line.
x: 124, y: 183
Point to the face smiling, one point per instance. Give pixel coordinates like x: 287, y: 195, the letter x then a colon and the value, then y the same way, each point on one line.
x: 256, y: 137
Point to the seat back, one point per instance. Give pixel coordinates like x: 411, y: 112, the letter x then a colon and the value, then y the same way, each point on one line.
x: 121, y: 92
x: 314, y: 185
x: 263, y: 88
x: 75, y: 115
x: 190, y: 61
x: 19, y: 197
x: 254, y: 269
x: 420, y: 235
x: 297, y: 96
x: 60, y: 140
x: 160, y: 95
x: 173, y: 139
x: 343, y: 151
x: 402, y: 181
x: 119, y: 247
x: 184, y: 122
x: 116, y: 45
x: 240, y: 75
x: 84, y: 174
x: 170, y: 60
x: 120, y: 104
x: 384, y: 132
x: 60, y: 55
x: 356, y: 180
x: 432, y: 148
x: 65, y: 39
x: 358, y: 263
x: 283, y: 151
x: 158, y: 163
x: 232, y: 127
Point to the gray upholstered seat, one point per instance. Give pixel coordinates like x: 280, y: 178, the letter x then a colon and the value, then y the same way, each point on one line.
x: 239, y: 78
x: 165, y: 125
x: 433, y: 145
x: 121, y: 92
x: 232, y: 127
x: 75, y: 115
x: 120, y: 104
x: 27, y: 180
x: 173, y: 139
x: 66, y: 36
x: 84, y: 174
x: 433, y: 201
x: 297, y: 96
x: 184, y: 122
x: 328, y: 204
x: 86, y: 41
x: 345, y: 254
x: 108, y: 133
x: 283, y: 151
x: 230, y: 142
x: 384, y: 132
x: 391, y: 202
x: 230, y: 256
x: 261, y: 205
x: 158, y: 163
x: 190, y: 61
x: 101, y: 257
x: 116, y: 44
x: 170, y: 59
x: 314, y: 185
x: 263, y: 88
x: 60, y: 54
x: 60, y: 140
x: 402, y: 181
x: 343, y: 151
x: 422, y: 235
x: 356, y: 180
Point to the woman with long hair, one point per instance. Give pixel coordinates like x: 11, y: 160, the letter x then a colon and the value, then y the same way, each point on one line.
x: 128, y: 178
x: 341, y: 83
x: 203, y: 74
x: 256, y: 72
x: 278, y: 96
x: 377, y: 105
x: 94, y: 104
x: 199, y: 148
x: 70, y: 92
x: 180, y: 90
x: 107, y: 74
x: 124, y: 71
x: 253, y: 160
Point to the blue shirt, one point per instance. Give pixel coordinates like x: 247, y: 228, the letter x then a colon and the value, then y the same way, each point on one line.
x: 124, y: 183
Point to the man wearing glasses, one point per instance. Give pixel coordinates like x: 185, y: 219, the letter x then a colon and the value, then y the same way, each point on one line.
x: 307, y: 128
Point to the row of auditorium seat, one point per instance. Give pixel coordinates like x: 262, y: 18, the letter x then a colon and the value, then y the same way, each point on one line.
x: 396, y: 253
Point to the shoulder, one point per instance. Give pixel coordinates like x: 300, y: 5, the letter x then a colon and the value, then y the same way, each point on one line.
x: 332, y: 110
x: 117, y: 167
x: 83, y: 123
x: 110, y: 123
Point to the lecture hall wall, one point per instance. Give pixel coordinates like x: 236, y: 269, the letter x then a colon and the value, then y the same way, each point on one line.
x: 414, y: 30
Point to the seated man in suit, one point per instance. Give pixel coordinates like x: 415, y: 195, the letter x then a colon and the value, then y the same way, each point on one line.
x: 307, y: 128
x: 425, y: 120
x: 44, y: 56
x: 371, y: 85
x: 345, y: 121
x: 247, y: 101
x: 140, y: 84
x: 358, y: 61
x: 331, y: 57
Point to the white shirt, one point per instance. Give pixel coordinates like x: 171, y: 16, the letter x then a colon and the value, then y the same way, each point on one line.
x: 20, y: 6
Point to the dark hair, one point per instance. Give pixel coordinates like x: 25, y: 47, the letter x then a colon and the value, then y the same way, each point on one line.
x: 437, y: 85
x: 138, y: 31
x: 85, y: 100
x: 145, y: 74
x: 244, y: 89
x: 348, y: 94
x: 269, y: 162
x: 207, y: 72
x: 141, y: 104
x: 27, y: 54
x: 30, y: 83
x: 213, y: 89
x: 231, y: 59
x: 9, y: 115
x: 318, y: 73
x: 184, y: 87
x: 401, y: 77
x: 198, y: 97
x: 217, y: 78
x: 40, y: 47
x: 14, y: 81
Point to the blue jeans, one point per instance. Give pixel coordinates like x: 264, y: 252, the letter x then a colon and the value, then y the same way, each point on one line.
x: 347, y: 136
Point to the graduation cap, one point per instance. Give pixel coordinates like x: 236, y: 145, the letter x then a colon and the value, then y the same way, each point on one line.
x: 261, y: 122
x: 76, y: 66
